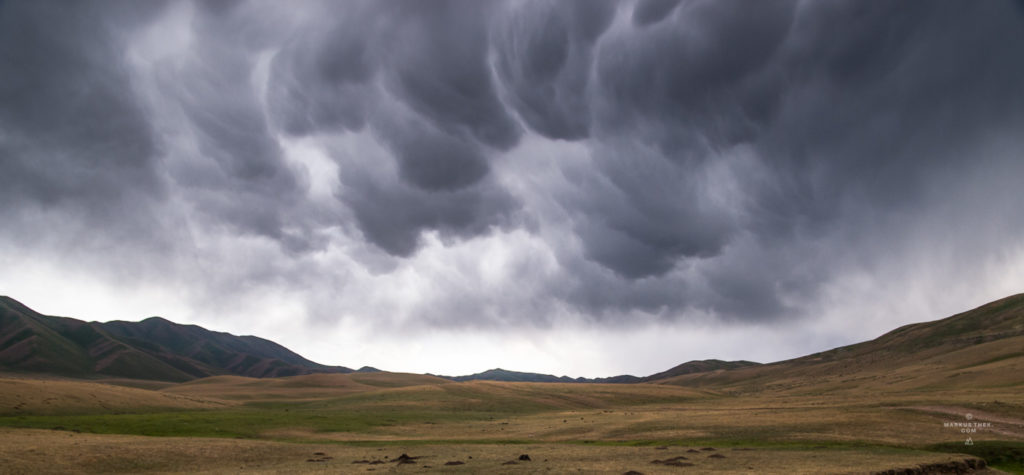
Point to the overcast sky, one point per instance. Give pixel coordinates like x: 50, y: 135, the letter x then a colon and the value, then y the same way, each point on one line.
x: 573, y: 187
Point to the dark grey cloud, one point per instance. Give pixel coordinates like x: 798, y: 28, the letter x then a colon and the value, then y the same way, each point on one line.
x: 670, y: 99
x: 846, y: 109
x: 437, y: 64
x: 319, y: 80
x: 418, y: 76
x: 644, y: 212
x: 434, y: 161
x: 544, y: 58
x: 697, y: 81
x: 236, y: 174
x: 737, y: 157
x: 393, y: 214
x: 70, y: 136
x: 647, y: 12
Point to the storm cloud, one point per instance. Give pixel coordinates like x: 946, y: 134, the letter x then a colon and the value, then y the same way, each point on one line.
x: 72, y: 134
x: 507, y: 164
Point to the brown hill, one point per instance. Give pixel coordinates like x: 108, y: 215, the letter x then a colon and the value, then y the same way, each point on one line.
x: 983, y: 347
x: 154, y: 348
x: 698, y: 366
x: 309, y: 386
x: 20, y: 396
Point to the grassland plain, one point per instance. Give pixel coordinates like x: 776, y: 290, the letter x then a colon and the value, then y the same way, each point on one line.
x: 928, y: 397
x: 280, y: 425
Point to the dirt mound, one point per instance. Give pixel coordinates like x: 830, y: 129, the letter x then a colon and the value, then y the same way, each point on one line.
x: 970, y: 465
x: 673, y: 462
x: 369, y: 462
x: 320, y: 457
x: 405, y: 459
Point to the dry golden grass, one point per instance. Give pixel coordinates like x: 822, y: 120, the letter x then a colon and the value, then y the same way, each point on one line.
x: 597, y: 428
x: 309, y: 387
x: 42, y: 451
x: 20, y: 395
x: 906, y: 421
x: 966, y: 366
x: 395, y: 380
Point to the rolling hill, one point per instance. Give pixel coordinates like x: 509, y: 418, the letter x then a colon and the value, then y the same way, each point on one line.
x: 154, y: 349
x: 698, y: 366
x: 983, y: 347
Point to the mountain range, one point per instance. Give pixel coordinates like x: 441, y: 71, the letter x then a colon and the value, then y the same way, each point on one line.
x: 154, y: 348
x: 981, y: 346
x: 159, y: 349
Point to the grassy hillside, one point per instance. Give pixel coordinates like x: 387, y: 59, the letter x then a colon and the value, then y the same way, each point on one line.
x: 698, y: 366
x: 307, y: 387
x: 21, y: 396
x: 980, y: 348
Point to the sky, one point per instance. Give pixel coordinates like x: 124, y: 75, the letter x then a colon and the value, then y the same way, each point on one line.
x: 583, y: 187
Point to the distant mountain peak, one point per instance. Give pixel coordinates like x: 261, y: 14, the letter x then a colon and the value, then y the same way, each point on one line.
x: 695, y: 366
x: 157, y: 320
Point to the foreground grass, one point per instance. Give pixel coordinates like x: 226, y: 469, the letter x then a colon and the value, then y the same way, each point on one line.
x: 248, y: 422
x: 43, y: 451
x: 356, y: 413
x: 600, y: 428
x: 320, y: 422
x: 1001, y: 454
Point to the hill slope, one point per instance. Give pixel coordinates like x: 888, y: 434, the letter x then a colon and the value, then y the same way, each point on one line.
x: 151, y: 349
x: 698, y: 366
x: 983, y: 347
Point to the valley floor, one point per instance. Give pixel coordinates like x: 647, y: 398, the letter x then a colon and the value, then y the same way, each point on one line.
x: 365, y: 423
x: 48, y: 451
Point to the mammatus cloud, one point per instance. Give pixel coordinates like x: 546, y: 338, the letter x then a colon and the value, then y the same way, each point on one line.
x: 467, y: 164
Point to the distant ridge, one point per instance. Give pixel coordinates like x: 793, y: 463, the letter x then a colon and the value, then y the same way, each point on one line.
x: 498, y: 374
x: 979, y: 347
x: 154, y: 348
x: 691, y: 367
x: 699, y: 366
